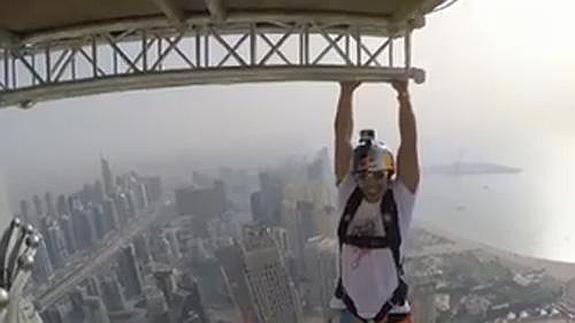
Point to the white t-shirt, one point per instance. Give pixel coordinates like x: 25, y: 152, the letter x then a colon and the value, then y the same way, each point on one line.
x: 369, y: 276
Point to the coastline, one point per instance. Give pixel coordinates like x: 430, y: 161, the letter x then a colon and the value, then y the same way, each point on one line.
x: 561, y: 271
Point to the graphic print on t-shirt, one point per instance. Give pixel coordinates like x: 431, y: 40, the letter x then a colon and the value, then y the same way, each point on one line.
x: 363, y: 228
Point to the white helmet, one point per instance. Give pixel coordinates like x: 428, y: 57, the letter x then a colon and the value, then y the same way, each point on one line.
x: 371, y: 155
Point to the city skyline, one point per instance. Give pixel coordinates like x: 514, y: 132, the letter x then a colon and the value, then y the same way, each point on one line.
x: 240, y: 245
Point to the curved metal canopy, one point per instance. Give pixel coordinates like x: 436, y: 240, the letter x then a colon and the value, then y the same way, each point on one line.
x: 63, y: 48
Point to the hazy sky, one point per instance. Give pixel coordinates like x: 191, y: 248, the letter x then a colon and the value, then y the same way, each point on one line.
x: 500, y: 85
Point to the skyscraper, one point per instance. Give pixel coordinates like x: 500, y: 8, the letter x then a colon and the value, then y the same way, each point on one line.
x: 107, y: 177
x: 50, y: 206
x: 166, y: 282
x: 79, y: 225
x: 54, y: 314
x: 142, y: 249
x: 67, y: 228
x: 92, y: 286
x: 84, y: 227
x: 111, y: 214
x: 306, y: 221
x: 153, y: 187
x: 202, y: 205
x: 270, y: 285
x: 256, y: 205
x: 171, y: 235
x: 423, y: 302
x: 231, y: 259
x: 25, y: 211
x: 193, y: 301
x: 78, y: 312
x: 62, y: 205
x: 95, y: 310
x: 129, y: 272
x: 156, y: 305
x: 42, y: 269
x: 321, y: 265
x: 267, y: 202
x: 112, y: 294
x: 37, y: 206
x: 162, y: 250
x: 101, y: 223
x: 57, y: 250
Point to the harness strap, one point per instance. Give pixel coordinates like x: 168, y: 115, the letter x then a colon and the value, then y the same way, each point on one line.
x: 391, y: 240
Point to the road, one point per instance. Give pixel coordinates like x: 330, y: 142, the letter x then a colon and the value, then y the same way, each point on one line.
x: 87, y: 263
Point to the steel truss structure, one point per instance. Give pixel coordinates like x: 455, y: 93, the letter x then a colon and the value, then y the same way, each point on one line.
x: 145, y: 54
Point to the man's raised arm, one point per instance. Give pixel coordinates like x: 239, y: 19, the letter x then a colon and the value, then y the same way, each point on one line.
x: 344, y: 130
x: 407, y: 156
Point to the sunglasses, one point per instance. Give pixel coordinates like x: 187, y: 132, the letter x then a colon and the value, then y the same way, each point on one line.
x: 378, y: 175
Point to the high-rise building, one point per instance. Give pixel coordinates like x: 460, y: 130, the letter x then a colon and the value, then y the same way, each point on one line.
x: 306, y: 221
x: 37, y: 206
x: 25, y: 211
x: 50, y: 206
x: 84, y: 227
x: 107, y: 178
x: 162, y: 250
x: 55, y: 244
x: 95, y: 310
x: 231, y: 260
x: 327, y: 221
x: 92, y: 286
x: 142, y: 249
x: 112, y: 294
x: 292, y: 221
x: 193, y: 301
x: 271, y: 288
x: 153, y: 188
x: 266, y: 204
x: 101, y: 223
x: 256, y: 205
x: 140, y: 195
x: 110, y: 213
x: 54, y: 314
x: 77, y: 300
x: 80, y: 226
x: 281, y: 239
x: 65, y: 222
x: 129, y: 272
x: 156, y: 304
x: 62, y: 205
x: 423, y: 302
x: 42, y: 269
x: 201, y: 205
x: 124, y: 206
x: 99, y: 192
x: 171, y: 235
x: 166, y: 282
x: 322, y: 273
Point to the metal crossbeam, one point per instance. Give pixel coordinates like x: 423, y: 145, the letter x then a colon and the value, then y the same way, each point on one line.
x: 200, y: 52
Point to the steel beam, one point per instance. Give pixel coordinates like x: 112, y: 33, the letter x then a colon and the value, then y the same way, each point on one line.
x: 204, y: 76
x: 201, y: 53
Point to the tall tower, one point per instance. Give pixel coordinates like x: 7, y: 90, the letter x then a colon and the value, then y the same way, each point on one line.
x: 270, y: 285
x: 321, y: 271
x: 107, y: 177
x: 129, y: 272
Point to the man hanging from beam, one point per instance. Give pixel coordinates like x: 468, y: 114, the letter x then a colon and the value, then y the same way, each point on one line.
x: 376, y: 201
